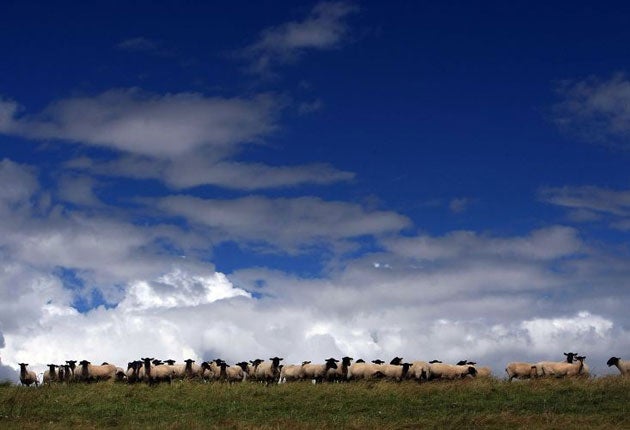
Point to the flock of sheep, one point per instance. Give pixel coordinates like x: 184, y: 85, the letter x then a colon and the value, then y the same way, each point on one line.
x: 152, y: 371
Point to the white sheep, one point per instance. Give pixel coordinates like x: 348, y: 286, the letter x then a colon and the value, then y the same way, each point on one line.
x: 340, y: 373
x: 51, y: 374
x: 394, y: 372
x: 88, y: 372
x: 560, y: 369
x: 520, y: 370
x: 482, y: 372
x: 419, y: 370
x: 363, y: 370
x: 450, y: 371
x: 154, y: 373
x: 268, y: 371
x: 231, y: 373
x: 292, y: 372
x: 27, y: 377
x: 622, y: 365
x: 319, y: 372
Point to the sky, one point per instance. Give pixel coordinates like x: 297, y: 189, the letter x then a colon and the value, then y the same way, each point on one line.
x: 431, y: 180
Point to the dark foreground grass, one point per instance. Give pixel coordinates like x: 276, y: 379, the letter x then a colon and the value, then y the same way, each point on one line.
x: 550, y: 404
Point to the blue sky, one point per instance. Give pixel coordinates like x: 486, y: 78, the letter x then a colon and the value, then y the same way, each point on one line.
x: 449, y: 169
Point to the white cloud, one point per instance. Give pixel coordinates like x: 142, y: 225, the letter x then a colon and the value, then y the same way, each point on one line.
x: 323, y: 29
x: 597, y: 110
x: 591, y: 203
x: 287, y: 223
x: 138, y: 122
x: 545, y: 244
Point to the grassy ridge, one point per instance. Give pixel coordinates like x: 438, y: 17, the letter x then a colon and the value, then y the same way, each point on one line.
x: 600, y: 403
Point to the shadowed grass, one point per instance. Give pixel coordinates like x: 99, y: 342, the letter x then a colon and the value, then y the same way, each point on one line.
x: 598, y: 403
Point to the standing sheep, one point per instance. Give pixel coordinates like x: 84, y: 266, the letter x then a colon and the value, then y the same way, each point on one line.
x: 292, y: 372
x: 88, y: 372
x: 560, y: 369
x: 268, y: 371
x: 450, y: 371
x: 51, y: 374
x: 622, y: 365
x: 419, y: 370
x: 394, y: 372
x: 319, y: 372
x: 340, y: 374
x: 520, y: 370
x: 27, y: 377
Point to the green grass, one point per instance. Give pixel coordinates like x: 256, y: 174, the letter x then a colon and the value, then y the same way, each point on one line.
x: 595, y: 404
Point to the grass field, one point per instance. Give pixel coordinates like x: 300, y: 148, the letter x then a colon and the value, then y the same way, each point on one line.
x: 601, y: 403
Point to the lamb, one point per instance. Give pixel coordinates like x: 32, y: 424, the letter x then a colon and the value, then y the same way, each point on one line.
x: 340, y: 373
x: 560, y: 369
x: 622, y: 365
x: 520, y: 370
x: 89, y: 372
x: 27, y: 377
x: 450, y: 371
x: 51, y: 374
x: 318, y: 372
x: 268, y: 371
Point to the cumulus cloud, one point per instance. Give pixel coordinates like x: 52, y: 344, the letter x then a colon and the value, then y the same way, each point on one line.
x: 597, y: 110
x: 464, y: 295
x: 324, y: 28
x: 591, y: 203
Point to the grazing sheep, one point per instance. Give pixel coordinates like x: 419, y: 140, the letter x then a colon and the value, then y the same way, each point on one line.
x: 394, y: 372
x: 560, y: 369
x: 520, y: 370
x: 482, y: 372
x: 419, y: 370
x: 88, y: 372
x: 622, y: 365
x: 27, y: 377
x: 318, y: 372
x: 396, y: 360
x: 450, y: 371
x: 378, y: 362
x: 340, y: 374
x: 268, y: 371
x: 360, y: 360
x: 50, y: 375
